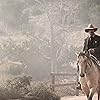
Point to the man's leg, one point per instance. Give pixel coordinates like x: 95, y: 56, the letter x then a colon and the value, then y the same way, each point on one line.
x: 78, y: 86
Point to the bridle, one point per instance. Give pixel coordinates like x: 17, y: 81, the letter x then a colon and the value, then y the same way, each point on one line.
x: 88, y: 62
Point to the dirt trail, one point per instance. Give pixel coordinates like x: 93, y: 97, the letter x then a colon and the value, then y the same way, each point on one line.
x: 77, y: 98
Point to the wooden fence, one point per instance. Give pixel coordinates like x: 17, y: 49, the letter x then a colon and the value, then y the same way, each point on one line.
x: 53, y: 81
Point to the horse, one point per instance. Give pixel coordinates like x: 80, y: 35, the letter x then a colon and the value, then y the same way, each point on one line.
x: 89, y: 75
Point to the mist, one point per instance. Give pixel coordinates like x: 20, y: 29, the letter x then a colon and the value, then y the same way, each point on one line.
x: 28, y: 27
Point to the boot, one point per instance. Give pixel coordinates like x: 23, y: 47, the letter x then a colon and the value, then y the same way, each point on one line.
x: 78, y: 86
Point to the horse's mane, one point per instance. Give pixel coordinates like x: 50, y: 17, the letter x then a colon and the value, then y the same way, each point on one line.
x: 91, y: 57
x: 95, y: 61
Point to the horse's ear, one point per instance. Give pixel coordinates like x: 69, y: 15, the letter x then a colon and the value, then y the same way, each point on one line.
x: 87, y: 54
x: 77, y: 54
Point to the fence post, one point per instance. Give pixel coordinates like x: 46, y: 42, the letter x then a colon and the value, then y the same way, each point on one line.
x: 53, y: 81
x: 77, y: 91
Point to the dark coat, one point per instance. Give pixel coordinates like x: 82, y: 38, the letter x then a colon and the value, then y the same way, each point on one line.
x: 93, y: 43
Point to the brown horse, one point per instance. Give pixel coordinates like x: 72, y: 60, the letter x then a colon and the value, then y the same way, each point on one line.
x: 89, y: 75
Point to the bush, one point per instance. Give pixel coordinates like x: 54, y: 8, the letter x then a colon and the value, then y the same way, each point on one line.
x: 43, y: 92
x: 21, y: 88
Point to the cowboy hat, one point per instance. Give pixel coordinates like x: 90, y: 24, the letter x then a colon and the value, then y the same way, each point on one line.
x: 90, y: 27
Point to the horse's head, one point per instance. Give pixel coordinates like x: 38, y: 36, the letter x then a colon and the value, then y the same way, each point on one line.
x: 82, y: 63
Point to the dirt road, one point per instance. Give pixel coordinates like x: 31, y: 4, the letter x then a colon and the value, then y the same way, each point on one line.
x: 77, y: 98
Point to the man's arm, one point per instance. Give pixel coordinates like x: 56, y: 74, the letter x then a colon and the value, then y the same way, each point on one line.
x: 85, y: 46
x: 97, y: 50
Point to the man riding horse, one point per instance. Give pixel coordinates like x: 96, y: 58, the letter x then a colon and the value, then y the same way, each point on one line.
x: 91, y: 44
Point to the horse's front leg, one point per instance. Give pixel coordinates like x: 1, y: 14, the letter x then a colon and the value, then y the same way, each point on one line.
x: 91, y: 94
x: 98, y: 95
x: 98, y: 91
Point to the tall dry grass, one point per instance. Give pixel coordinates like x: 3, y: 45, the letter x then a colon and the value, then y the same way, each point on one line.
x: 24, y: 88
